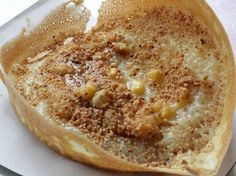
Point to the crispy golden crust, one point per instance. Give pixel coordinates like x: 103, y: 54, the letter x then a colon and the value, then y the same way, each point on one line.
x: 75, y: 145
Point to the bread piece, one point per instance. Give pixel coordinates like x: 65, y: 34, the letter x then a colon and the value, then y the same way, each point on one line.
x: 149, y: 89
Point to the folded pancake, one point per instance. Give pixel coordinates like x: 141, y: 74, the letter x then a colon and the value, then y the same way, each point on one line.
x: 150, y: 87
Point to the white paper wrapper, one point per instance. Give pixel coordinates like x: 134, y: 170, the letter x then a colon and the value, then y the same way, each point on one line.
x: 23, y: 153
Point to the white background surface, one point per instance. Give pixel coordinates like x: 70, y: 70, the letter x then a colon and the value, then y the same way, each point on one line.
x: 10, y: 8
x: 22, y: 152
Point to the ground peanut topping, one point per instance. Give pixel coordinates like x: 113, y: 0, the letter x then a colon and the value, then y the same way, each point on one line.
x: 132, y: 85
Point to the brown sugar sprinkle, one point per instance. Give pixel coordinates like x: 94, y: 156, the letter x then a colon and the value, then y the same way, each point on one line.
x: 85, y: 83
